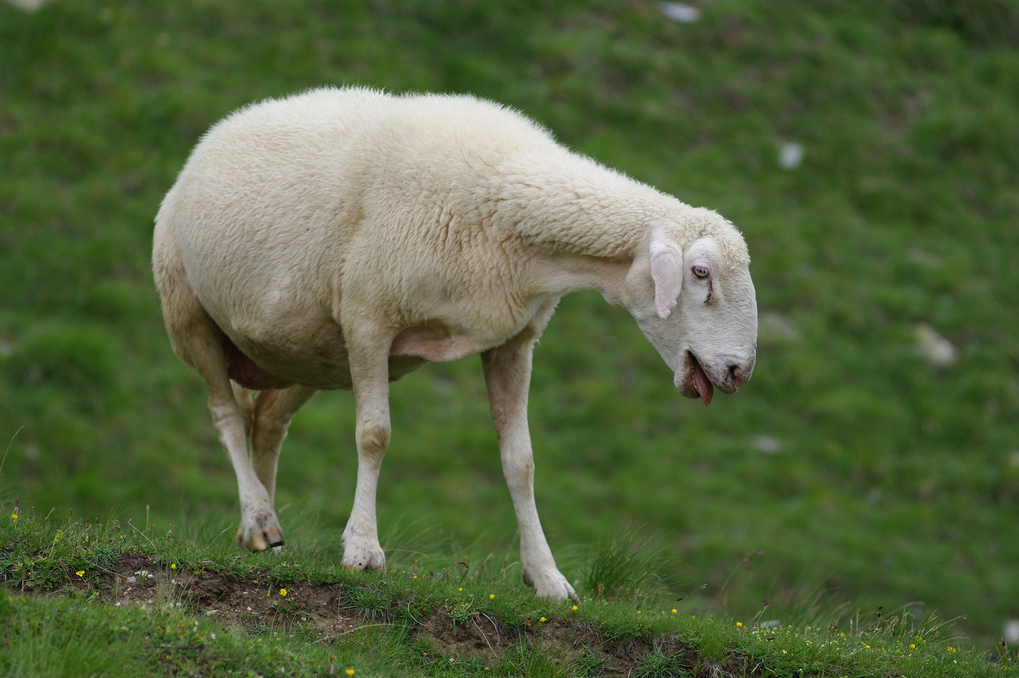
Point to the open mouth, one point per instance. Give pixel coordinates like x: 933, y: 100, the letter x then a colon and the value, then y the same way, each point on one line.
x: 700, y: 382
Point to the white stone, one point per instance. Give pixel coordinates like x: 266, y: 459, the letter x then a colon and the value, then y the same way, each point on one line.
x: 931, y: 345
x: 790, y: 155
x: 28, y: 5
x: 766, y: 444
x: 677, y: 11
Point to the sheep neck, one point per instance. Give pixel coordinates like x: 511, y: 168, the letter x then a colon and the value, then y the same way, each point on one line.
x: 572, y: 205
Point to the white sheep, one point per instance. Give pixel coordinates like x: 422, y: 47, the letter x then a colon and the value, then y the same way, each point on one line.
x: 342, y: 237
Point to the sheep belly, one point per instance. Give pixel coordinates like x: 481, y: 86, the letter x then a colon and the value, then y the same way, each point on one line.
x: 260, y: 366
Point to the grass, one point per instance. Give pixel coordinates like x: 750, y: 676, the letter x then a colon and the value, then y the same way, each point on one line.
x: 864, y: 475
x: 623, y: 566
x: 132, y: 602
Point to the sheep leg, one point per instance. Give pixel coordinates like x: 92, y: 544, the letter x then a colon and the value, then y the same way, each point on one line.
x: 369, y: 371
x: 508, y: 375
x: 273, y: 410
x: 259, y: 529
x: 199, y: 343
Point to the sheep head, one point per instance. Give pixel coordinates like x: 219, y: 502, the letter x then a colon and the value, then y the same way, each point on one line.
x: 696, y: 304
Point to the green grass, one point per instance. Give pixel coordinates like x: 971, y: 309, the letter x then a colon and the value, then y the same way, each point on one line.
x: 894, y: 480
x: 87, y: 598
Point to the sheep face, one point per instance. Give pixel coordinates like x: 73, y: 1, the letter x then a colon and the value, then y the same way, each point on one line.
x: 703, y: 317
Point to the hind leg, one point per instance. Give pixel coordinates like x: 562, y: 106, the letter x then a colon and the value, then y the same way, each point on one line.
x: 199, y: 343
x: 272, y: 413
x: 259, y: 528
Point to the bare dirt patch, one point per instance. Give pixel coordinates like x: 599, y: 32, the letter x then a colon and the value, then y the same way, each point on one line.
x: 237, y: 601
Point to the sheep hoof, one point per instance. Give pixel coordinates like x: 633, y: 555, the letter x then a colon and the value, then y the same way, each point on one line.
x: 368, y: 556
x: 267, y: 534
x: 367, y: 559
x: 552, y: 585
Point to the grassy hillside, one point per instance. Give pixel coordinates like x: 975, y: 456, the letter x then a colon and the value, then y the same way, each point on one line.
x: 112, y: 599
x: 852, y: 469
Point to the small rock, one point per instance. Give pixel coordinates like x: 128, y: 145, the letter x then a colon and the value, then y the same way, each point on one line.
x: 766, y: 444
x: 677, y: 11
x: 211, y: 613
x: 28, y: 5
x: 790, y: 155
x: 931, y: 345
x: 1011, y: 631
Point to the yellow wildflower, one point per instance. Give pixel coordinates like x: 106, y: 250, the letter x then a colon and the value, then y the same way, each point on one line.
x: 674, y: 610
x: 14, y: 516
x: 349, y: 672
x: 542, y: 619
x: 80, y: 573
x: 283, y: 592
x: 491, y: 596
x: 739, y: 625
x: 575, y: 608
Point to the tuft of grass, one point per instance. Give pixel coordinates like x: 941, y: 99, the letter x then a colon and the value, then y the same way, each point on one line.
x: 658, y: 665
x: 372, y: 602
x: 531, y: 658
x: 587, y: 663
x: 625, y: 566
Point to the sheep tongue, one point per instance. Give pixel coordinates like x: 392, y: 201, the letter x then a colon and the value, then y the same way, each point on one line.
x: 701, y: 382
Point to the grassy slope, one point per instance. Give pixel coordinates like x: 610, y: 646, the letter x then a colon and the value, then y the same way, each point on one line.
x: 895, y: 481
x: 179, y: 602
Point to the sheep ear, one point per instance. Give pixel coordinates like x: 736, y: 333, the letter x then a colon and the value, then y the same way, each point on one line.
x: 666, y: 270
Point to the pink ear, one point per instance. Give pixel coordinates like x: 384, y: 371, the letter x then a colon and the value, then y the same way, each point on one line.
x: 666, y: 271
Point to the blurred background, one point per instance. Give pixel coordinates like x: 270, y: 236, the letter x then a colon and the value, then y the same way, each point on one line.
x: 869, y: 151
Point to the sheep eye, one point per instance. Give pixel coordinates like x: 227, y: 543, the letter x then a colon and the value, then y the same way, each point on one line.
x: 701, y: 272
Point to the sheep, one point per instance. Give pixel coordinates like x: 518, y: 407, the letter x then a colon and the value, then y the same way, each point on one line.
x: 343, y: 237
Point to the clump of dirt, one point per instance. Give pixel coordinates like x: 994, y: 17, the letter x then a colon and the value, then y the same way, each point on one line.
x: 243, y: 602
x: 483, y: 637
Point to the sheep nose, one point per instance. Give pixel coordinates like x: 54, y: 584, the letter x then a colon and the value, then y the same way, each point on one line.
x: 737, y: 376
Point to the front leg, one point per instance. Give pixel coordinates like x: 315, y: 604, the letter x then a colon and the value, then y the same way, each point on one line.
x: 508, y: 376
x: 369, y: 371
